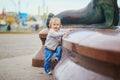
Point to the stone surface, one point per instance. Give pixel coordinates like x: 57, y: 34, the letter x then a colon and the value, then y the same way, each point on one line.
x: 38, y: 59
x: 92, y: 54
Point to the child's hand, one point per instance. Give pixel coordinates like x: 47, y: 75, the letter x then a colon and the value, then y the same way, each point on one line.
x: 66, y: 35
x: 70, y: 29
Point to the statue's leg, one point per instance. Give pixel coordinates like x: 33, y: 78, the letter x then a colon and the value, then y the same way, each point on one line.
x: 109, y: 14
x: 116, y: 13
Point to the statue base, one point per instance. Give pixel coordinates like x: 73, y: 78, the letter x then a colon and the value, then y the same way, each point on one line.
x: 91, y: 54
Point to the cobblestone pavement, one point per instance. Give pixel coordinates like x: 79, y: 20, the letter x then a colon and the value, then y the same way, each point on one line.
x: 16, y: 52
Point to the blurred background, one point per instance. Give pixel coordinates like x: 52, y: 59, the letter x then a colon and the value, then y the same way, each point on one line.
x: 31, y: 15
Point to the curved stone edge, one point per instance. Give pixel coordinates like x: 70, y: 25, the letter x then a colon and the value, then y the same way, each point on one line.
x: 77, y: 65
x: 111, y: 56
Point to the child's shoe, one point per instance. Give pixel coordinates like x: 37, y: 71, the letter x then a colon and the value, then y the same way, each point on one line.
x: 56, y: 61
x: 49, y: 73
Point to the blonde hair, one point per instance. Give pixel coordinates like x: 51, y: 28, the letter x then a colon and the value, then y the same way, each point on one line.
x: 53, y: 20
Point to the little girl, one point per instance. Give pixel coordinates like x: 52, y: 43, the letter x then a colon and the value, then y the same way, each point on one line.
x: 53, y: 44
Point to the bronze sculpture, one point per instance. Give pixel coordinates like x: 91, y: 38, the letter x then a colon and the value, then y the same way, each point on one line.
x: 100, y: 13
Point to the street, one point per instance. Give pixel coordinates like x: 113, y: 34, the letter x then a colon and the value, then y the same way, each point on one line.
x: 16, y: 52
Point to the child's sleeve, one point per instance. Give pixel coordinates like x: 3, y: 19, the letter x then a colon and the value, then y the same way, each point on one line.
x: 52, y: 33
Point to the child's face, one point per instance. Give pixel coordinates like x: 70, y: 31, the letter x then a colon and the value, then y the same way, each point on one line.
x: 55, y: 25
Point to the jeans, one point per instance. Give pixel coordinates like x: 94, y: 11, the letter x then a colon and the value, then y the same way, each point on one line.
x: 48, y: 57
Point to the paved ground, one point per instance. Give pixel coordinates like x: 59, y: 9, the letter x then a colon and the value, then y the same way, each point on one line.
x: 16, y: 52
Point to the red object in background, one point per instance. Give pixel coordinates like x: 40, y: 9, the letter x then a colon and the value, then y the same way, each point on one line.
x: 3, y: 12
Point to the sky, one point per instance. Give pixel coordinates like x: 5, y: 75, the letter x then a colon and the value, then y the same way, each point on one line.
x: 32, y: 6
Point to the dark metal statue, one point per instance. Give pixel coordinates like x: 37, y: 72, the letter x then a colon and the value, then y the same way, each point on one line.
x: 100, y: 13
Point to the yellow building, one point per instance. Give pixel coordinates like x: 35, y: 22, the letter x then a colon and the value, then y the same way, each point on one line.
x: 10, y: 19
